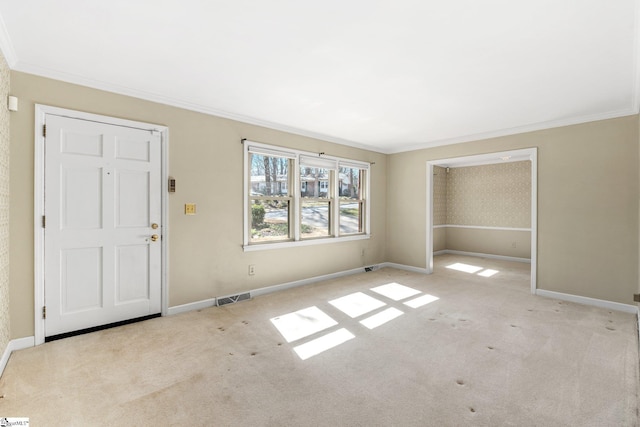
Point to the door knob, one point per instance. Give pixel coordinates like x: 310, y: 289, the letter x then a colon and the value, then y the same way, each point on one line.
x: 154, y: 226
x: 154, y: 237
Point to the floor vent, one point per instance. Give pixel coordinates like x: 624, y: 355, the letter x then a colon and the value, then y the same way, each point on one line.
x: 371, y: 268
x: 232, y: 299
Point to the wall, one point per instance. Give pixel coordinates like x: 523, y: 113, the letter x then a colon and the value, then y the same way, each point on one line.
x: 205, y: 157
x: 587, y: 205
x: 5, y: 318
x: 495, y: 195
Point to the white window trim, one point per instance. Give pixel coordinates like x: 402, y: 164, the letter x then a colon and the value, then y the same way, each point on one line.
x: 297, y: 155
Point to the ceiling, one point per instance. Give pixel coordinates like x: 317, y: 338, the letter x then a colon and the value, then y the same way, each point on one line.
x: 389, y: 76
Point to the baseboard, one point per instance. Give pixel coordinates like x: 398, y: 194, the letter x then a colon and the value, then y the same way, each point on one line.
x: 296, y: 283
x: 403, y: 267
x: 15, y: 345
x: 609, y: 305
x: 198, y: 305
x: 481, y: 255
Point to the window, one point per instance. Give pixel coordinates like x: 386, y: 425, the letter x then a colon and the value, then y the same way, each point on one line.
x: 269, y: 198
x: 315, y: 202
x: 351, y: 200
x: 294, y: 197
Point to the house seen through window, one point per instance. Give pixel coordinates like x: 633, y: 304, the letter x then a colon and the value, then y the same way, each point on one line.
x: 294, y: 196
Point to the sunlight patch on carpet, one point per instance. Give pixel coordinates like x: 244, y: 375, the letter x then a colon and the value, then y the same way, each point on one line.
x: 381, y: 318
x: 488, y: 273
x: 324, y: 343
x: 395, y: 291
x: 356, y: 304
x: 302, y: 323
x: 420, y: 301
x: 464, y: 267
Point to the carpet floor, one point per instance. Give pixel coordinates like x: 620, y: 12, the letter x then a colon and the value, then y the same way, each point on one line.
x: 467, y: 345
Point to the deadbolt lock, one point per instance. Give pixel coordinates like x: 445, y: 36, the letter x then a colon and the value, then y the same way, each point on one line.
x: 154, y: 237
x: 154, y: 226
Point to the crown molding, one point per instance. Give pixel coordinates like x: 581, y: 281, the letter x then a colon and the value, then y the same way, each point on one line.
x: 517, y: 130
x: 153, y: 97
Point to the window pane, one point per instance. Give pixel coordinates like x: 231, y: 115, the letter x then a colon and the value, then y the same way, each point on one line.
x: 350, y: 217
x: 269, y: 175
x: 316, y: 217
x: 269, y: 220
x: 349, y: 183
x: 314, y: 182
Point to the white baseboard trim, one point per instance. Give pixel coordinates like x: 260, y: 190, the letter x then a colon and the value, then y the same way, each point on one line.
x: 403, y: 267
x: 481, y: 255
x: 296, y: 283
x: 15, y: 345
x: 609, y: 305
x: 198, y: 305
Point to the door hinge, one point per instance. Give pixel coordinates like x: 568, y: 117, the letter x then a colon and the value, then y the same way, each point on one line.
x: 44, y: 311
x: 44, y: 130
x: 44, y: 221
x: 636, y: 297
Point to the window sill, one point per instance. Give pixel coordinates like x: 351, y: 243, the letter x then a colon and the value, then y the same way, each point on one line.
x: 311, y: 242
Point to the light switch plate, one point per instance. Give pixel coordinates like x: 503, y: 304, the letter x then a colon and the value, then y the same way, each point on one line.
x: 189, y: 208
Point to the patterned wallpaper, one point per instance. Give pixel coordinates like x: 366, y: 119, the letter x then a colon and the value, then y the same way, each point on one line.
x: 5, y: 325
x: 497, y: 195
x: 439, y: 195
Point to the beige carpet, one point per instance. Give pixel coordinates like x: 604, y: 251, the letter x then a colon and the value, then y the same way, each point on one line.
x: 486, y: 352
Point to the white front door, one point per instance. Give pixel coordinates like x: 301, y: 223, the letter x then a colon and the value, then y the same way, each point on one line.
x: 102, y: 230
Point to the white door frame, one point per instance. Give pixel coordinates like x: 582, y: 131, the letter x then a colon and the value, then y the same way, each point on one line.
x: 39, y: 192
x: 485, y: 159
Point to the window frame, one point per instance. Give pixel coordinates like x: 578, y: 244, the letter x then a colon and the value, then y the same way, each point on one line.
x: 327, y: 196
x: 298, y: 158
x: 286, y: 185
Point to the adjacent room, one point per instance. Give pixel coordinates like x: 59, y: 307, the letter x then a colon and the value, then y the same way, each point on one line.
x: 242, y: 213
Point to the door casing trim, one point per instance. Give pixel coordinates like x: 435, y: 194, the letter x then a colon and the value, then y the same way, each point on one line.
x: 38, y: 203
x: 530, y: 154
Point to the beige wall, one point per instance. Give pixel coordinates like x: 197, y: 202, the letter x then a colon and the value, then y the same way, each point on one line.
x: 588, y: 183
x: 439, y: 239
x: 5, y: 318
x: 587, y: 205
x: 494, y: 242
x: 205, y: 157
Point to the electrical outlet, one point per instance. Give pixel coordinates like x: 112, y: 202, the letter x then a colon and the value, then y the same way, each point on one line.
x: 189, y: 208
x: 252, y: 270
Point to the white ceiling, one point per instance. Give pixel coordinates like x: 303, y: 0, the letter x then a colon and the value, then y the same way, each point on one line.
x: 386, y: 75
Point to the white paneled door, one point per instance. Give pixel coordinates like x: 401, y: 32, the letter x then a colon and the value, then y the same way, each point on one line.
x: 102, y: 225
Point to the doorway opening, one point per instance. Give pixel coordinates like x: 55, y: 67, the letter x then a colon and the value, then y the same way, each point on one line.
x: 529, y: 154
